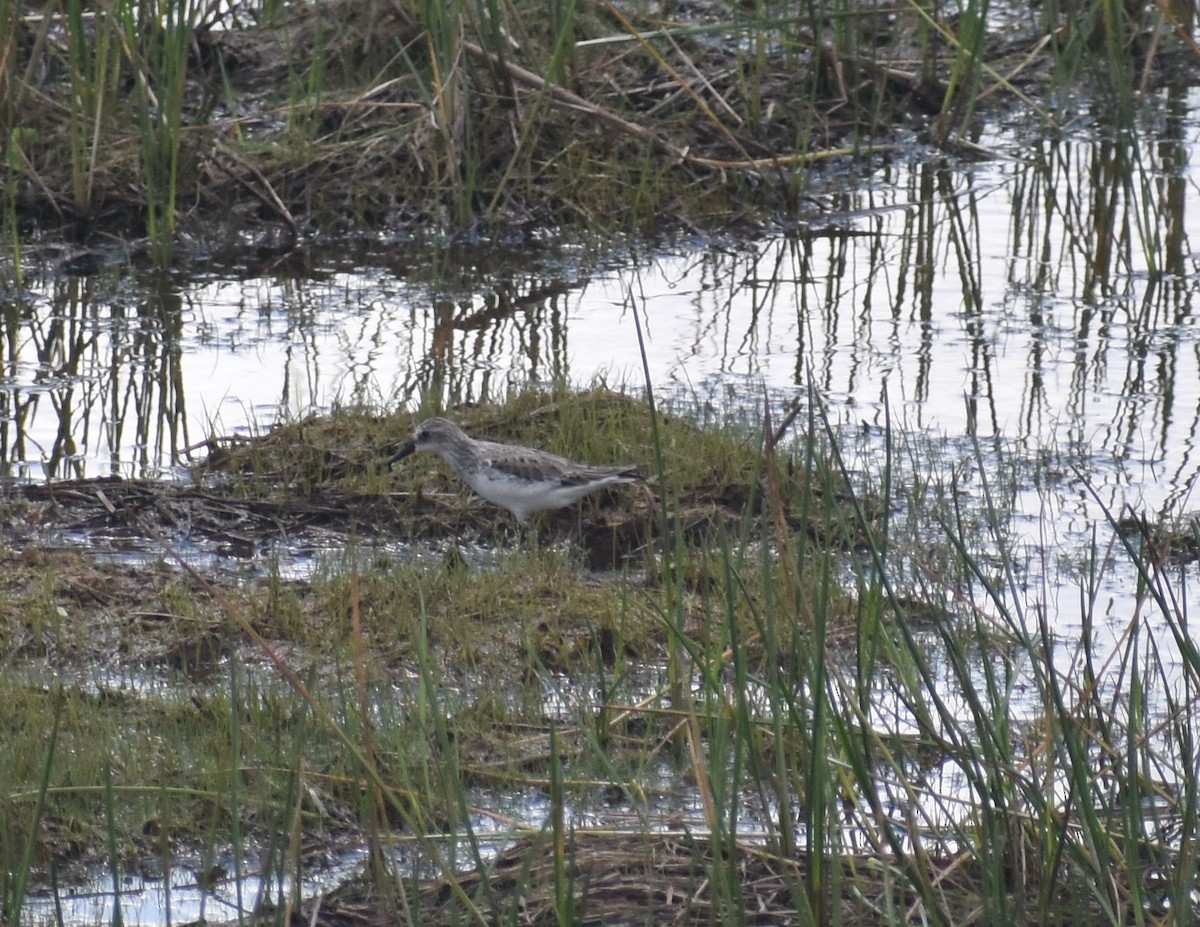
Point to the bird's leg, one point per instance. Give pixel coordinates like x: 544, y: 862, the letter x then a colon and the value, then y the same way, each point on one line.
x: 530, y: 540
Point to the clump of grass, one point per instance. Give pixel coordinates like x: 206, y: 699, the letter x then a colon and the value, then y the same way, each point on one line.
x: 482, y: 619
x: 328, y: 116
x: 713, y: 470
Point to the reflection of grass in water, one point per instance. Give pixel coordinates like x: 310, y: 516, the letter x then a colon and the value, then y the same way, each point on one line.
x: 868, y: 711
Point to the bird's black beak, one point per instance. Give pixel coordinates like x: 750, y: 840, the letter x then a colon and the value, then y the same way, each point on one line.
x: 402, y: 453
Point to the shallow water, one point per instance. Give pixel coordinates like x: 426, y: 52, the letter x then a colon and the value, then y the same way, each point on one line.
x: 961, y: 299
x: 1031, y: 313
x: 1038, y: 304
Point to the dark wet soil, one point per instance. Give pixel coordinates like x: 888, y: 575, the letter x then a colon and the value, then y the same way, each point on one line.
x: 105, y: 513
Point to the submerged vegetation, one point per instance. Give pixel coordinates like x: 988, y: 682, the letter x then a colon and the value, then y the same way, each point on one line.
x: 835, y: 703
x: 215, y: 125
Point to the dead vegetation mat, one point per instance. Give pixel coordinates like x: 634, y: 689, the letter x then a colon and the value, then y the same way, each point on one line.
x: 110, y: 512
x: 638, y: 879
x: 306, y: 119
x: 225, y: 519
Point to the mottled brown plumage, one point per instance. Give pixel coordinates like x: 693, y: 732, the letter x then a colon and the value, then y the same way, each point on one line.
x: 520, y: 479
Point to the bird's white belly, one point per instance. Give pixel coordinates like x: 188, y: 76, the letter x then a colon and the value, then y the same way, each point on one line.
x: 523, y: 497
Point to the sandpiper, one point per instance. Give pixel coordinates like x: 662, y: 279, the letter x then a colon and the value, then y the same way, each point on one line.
x: 521, y: 479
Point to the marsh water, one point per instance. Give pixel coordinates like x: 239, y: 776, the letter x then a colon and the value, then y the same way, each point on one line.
x: 1031, y: 311
x: 1037, y: 305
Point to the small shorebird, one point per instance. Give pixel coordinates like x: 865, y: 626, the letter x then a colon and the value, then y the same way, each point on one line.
x: 520, y: 479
